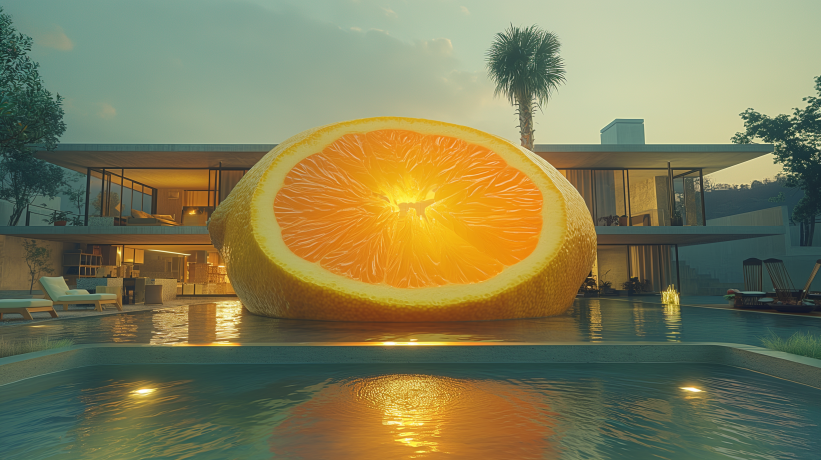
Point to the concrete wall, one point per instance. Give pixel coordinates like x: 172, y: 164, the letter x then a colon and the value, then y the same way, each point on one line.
x: 650, y: 196
x: 168, y: 206
x: 722, y: 261
x: 614, y: 259
x: 14, y: 275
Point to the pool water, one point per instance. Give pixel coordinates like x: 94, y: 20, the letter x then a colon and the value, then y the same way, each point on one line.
x: 580, y: 411
x: 589, y: 320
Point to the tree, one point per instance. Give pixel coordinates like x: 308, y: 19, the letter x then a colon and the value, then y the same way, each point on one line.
x: 113, y: 203
x: 28, y: 115
x: 77, y: 197
x: 28, y: 112
x: 23, y: 178
x: 797, y: 140
x: 38, y: 260
x: 526, y: 67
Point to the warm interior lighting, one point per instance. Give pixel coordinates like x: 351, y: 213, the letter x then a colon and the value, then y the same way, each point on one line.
x: 670, y: 296
x: 143, y: 391
x: 691, y: 389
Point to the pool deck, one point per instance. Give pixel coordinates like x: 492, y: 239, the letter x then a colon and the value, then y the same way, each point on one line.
x: 78, y: 311
x: 84, y: 311
x: 709, y: 302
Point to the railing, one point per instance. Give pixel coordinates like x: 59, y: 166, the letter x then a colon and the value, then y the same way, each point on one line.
x: 53, y: 213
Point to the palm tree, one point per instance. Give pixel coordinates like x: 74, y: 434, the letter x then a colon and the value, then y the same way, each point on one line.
x: 526, y: 67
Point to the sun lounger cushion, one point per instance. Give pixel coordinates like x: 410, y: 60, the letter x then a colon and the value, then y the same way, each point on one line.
x: 25, y: 303
x: 140, y: 214
x: 89, y: 297
x: 55, y: 286
x: 76, y: 292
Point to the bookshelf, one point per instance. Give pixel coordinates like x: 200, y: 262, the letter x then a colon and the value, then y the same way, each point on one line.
x: 81, y: 265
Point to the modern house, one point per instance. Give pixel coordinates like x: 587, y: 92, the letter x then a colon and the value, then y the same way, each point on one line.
x: 147, y: 206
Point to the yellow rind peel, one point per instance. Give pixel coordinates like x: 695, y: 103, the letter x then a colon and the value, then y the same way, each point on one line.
x: 272, y: 281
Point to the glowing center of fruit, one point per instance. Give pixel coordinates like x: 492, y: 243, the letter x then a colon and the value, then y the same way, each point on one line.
x: 409, y: 210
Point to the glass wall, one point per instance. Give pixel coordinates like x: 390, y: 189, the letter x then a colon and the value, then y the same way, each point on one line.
x: 640, y: 197
x: 689, y: 200
x: 169, y: 196
x: 653, y: 266
x: 603, y: 192
x: 112, y: 195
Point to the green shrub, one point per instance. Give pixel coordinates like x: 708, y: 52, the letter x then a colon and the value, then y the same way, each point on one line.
x: 800, y: 343
x: 10, y: 348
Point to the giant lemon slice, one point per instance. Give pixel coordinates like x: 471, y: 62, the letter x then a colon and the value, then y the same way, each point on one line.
x: 400, y: 219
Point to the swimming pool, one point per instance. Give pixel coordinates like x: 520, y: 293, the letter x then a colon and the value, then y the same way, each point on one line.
x: 590, y: 320
x: 564, y: 411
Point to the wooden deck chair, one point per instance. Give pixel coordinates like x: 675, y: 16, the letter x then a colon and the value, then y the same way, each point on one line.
x: 58, y: 292
x: 782, y: 283
x: 814, y: 272
x: 753, y: 272
x: 25, y: 307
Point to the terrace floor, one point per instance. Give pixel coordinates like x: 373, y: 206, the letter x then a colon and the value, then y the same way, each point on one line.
x: 196, y: 321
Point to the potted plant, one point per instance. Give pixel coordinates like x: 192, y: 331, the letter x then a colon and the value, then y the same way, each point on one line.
x: 609, y: 221
x: 58, y: 218
x: 676, y: 220
x: 589, y: 287
x: 606, y: 288
x: 633, y: 286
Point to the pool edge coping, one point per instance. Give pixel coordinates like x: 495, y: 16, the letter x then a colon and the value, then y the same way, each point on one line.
x: 799, y: 369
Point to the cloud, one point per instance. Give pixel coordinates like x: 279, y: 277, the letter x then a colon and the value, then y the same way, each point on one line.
x: 55, y: 38
x: 390, y: 13
x: 244, y: 85
x: 465, y: 10
x: 107, y: 111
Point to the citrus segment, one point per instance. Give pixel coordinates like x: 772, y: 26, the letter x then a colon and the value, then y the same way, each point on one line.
x: 397, y: 219
x: 409, y: 210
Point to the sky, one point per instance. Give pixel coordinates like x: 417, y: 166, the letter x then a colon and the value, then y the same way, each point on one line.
x: 260, y: 71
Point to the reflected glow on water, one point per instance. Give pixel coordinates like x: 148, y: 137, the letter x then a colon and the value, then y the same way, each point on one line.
x: 361, y: 412
x: 589, y: 320
x: 672, y: 320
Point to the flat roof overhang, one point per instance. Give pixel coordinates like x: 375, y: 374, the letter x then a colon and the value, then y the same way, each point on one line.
x: 114, y: 235
x: 709, y: 157
x: 682, y: 236
x: 79, y: 157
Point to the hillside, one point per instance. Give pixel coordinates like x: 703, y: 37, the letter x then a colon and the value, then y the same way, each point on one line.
x: 721, y: 201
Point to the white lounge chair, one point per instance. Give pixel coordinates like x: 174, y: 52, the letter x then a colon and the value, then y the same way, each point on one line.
x: 25, y: 307
x: 58, y: 292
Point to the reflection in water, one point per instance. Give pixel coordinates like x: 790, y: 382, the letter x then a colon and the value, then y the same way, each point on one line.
x: 416, y: 415
x: 638, y: 319
x: 672, y: 320
x: 595, y: 321
x: 589, y: 320
x: 363, y: 412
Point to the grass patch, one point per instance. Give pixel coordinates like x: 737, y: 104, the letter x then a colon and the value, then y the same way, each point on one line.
x: 800, y: 343
x: 11, y: 348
